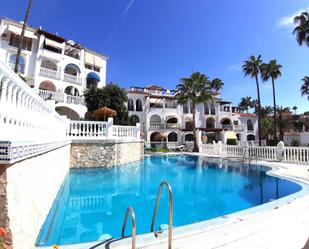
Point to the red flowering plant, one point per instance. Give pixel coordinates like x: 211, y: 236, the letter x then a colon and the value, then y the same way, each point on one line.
x: 3, y: 234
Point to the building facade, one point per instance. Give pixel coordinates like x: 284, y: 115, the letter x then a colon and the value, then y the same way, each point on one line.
x: 163, y: 121
x: 57, y: 68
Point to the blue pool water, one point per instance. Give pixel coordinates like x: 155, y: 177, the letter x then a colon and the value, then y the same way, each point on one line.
x: 93, y: 202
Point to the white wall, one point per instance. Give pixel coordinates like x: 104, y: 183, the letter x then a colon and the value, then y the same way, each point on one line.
x: 32, y: 185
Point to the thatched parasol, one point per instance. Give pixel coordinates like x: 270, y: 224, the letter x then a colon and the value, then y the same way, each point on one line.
x: 104, y: 113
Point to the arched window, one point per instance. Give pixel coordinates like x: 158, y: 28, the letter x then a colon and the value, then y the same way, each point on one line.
x: 249, y: 125
x: 212, y: 109
x: 185, y: 108
x: 21, y: 64
x: 47, y: 86
x: 72, y: 69
x: 250, y: 137
x: 139, y: 105
x: 48, y: 64
x: 155, y: 119
x: 130, y: 105
x: 188, y: 137
x: 134, y: 119
x: 206, y: 109
x: 71, y: 90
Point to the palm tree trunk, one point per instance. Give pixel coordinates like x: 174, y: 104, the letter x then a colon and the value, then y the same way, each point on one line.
x: 259, y: 108
x: 275, y: 108
x: 22, y: 37
x: 195, y: 147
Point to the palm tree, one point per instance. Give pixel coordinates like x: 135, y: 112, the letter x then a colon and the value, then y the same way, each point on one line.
x: 216, y: 84
x: 246, y: 103
x: 272, y: 71
x: 22, y: 36
x: 295, y: 109
x: 302, y: 28
x: 305, y: 87
x: 265, y: 111
x: 284, y: 116
x: 251, y: 68
x: 196, y: 90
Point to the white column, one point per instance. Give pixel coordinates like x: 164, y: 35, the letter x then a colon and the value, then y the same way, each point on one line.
x: 109, y: 127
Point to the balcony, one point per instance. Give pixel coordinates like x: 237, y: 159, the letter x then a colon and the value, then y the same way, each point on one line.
x: 227, y: 127
x: 48, y: 73
x: 61, y: 97
x: 172, y: 126
x: 239, y: 127
x: 72, y: 79
x: 156, y: 126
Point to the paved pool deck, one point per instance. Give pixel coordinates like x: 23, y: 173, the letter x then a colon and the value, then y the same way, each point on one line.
x: 279, y: 224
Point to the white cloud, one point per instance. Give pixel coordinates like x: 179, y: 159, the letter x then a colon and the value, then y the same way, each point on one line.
x: 128, y: 6
x: 288, y: 21
x: 234, y: 67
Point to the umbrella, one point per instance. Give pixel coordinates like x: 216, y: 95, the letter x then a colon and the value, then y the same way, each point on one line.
x: 103, y: 113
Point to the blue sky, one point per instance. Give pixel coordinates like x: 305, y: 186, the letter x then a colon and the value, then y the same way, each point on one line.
x: 160, y: 41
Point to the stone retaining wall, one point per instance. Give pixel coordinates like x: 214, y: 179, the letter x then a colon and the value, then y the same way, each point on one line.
x: 27, y: 191
x: 87, y: 154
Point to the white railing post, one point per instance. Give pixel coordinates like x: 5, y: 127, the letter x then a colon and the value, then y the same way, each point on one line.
x: 281, y: 155
x: 138, y: 130
x: 109, y: 127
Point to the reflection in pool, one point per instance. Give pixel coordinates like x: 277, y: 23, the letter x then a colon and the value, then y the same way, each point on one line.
x: 92, y: 202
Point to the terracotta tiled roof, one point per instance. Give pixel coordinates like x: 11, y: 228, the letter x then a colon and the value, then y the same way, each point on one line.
x: 247, y: 115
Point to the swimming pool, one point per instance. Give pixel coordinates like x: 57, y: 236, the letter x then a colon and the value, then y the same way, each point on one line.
x: 93, y: 202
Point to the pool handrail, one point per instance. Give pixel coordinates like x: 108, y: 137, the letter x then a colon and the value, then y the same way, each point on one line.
x: 131, y: 211
x: 170, y: 225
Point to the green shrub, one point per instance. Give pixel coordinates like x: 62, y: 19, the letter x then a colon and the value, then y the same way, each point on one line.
x: 231, y: 141
x: 295, y: 143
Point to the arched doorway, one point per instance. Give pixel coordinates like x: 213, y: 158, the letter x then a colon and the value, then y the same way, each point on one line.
x: 172, y: 137
x: 172, y: 123
x: 210, y: 123
x: 238, y: 135
x: 139, y: 105
x: 155, y: 119
x: 49, y: 64
x: 226, y: 124
x: 157, y: 139
x: 68, y: 112
x: 134, y: 119
x: 72, y: 69
x: 250, y: 137
x: 189, y: 137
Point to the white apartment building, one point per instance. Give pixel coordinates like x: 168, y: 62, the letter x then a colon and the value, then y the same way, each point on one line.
x: 164, y: 121
x: 58, y: 69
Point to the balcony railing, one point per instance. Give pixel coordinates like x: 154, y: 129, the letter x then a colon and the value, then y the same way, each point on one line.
x: 227, y: 127
x: 156, y: 126
x: 48, y: 73
x: 172, y: 126
x: 61, y: 97
x: 72, y: 79
x: 239, y: 127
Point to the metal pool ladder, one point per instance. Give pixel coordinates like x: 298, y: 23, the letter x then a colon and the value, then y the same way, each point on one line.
x: 131, y: 211
x: 170, y: 223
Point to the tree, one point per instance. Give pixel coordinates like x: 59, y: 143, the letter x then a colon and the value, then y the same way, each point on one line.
x: 305, y: 87
x: 267, y: 126
x: 111, y: 96
x: 246, y: 103
x: 265, y: 111
x: 195, y: 89
x: 251, y: 68
x: 284, y: 117
x: 216, y: 84
x: 22, y: 36
x: 272, y: 71
x: 302, y: 28
x: 295, y: 109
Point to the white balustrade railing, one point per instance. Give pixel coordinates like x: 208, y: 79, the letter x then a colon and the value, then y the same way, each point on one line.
x: 124, y: 131
x: 172, y: 126
x: 87, y: 129
x: 239, y: 127
x: 101, y: 130
x: 61, y: 97
x: 26, y: 119
x: 269, y: 153
x: 156, y: 126
x: 72, y: 79
x: 48, y: 73
x: 49, y: 95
